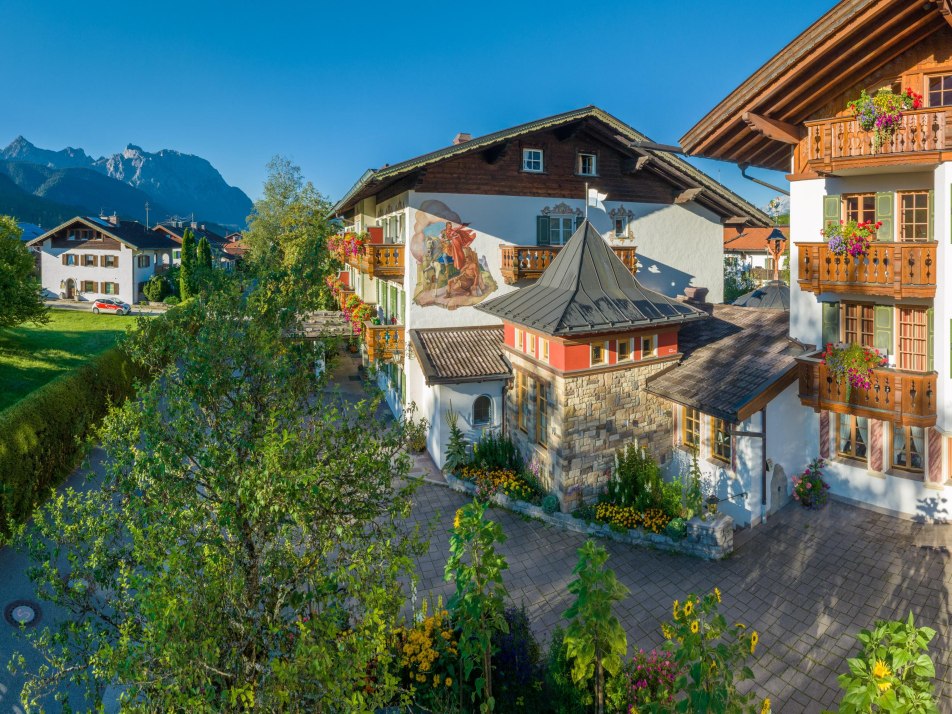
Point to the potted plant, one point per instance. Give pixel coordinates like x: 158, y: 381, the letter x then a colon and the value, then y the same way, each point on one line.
x: 809, y: 488
x: 712, y: 502
x: 850, y: 238
x: 852, y: 365
x: 882, y: 112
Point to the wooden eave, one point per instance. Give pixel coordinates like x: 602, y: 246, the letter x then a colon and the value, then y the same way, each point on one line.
x: 851, y: 42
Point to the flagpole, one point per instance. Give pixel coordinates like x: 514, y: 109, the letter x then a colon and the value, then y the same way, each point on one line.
x: 586, y: 200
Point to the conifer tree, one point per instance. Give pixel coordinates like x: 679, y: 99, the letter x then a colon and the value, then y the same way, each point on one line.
x: 187, y: 271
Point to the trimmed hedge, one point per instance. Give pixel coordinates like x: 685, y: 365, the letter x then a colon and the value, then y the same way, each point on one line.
x: 41, y: 436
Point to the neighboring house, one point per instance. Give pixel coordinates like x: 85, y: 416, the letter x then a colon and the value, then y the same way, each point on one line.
x: 737, y: 376
x: 745, y: 247
x: 86, y: 258
x: 29, y: 232
x: 484, y: 218
x: 235, y: 247
x: 175, y: 231
x: 887, y: 446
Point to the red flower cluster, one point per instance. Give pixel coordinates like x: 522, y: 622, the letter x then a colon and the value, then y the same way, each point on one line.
x: 916, y: 98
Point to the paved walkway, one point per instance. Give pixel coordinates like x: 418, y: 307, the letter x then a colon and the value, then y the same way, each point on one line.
x: 807, y: 581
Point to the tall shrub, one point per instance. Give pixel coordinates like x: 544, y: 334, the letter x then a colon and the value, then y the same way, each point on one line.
x: 187, y: 271
x: 41, y: 435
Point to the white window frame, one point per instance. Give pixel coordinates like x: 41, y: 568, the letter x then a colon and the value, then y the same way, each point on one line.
x: 530, y: 344
x: 580, y: 164
x: 531, y: 158
x: 623, y: 231
x: 654, y: 346
x: 543, y: 349
x: 631, y: 350
x: 558, y: 225
x: 489, y: 422
x: 520, y: 340
x: 604, y: 361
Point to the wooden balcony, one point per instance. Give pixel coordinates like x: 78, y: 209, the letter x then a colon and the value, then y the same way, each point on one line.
x: 529, y: 262
x: 382, y: 340
x: 898, y: 270
x: 897, y: 396
x: 380, y: 260
x: 840, y: 143
x: 345, y: 292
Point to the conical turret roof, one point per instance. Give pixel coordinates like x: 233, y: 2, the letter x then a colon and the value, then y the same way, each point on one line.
x: 585, y: 290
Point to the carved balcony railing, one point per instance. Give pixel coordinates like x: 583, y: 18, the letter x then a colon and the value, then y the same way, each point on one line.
x: 385, y: 260
x: 840, y: 142
x: 345, y: 292
x: 898, y: 270
x: 529, y: 262
x: 382, y: 340
x: 898, y: 396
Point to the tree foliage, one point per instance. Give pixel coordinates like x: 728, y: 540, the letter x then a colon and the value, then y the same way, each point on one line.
x: 246, y: 547
x: 479, y: 603
x: 287, y: 238
x: 188, y: 264
x: 204, y: 254
x: 595, y: 639
x: 21, y: 297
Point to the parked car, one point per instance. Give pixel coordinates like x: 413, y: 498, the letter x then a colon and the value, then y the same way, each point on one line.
x: 117, y: 307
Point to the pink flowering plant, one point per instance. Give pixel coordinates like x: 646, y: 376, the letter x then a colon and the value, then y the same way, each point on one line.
x: 647, y: 678
x: 852, y: 365
x: 882, y: 112
x: 345, y: 244
x: 809, y: 488
x: 851, y: 238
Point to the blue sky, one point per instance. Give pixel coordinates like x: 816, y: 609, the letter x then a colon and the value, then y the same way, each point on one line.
x: 341, y: 87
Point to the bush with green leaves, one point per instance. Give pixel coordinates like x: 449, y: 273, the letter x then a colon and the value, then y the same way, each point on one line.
x: 693, y: 493
x: 595, y: 640
x: 156, y: 288
x: 637, y: 483
x: 456, y: 451
x: 478, y: 605
x: 517, y: 667
x: 711, y: 658
x: 893, y: 671
x: 550, y: 504
x: 563, y: 695
x: 416, y: 430
x: 497, y: 451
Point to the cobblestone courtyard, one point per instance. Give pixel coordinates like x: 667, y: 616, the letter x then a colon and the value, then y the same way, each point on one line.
x: 807, y: 581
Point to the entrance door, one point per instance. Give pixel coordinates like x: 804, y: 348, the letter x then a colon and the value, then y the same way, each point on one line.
x: 70, y: 289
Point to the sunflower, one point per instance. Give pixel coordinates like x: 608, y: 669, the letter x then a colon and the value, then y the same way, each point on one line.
x: 765, y: 707
x: 717, y: 595
x: 688, y: 608
x: 695, y: 626
x: 456, y: 519
x: 881, y: 670
x: 676, y: 610
x: 754, y: 639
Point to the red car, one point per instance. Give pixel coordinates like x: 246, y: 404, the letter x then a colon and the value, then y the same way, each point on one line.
x: 117, y: 307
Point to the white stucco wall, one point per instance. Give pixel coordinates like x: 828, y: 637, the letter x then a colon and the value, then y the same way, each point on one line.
x: 942, y: 231
x: 792, y: 440
x: 53, y: 272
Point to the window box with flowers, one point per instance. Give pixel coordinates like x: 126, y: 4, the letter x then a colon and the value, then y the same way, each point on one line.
x: 882, y: 112
x: 852, y: 365
x: 851, y: 238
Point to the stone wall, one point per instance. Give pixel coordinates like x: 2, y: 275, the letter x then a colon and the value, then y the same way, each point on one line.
x: 591, y: 416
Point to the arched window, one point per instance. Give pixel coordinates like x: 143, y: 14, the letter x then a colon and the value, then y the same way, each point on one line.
x: 482, y: 411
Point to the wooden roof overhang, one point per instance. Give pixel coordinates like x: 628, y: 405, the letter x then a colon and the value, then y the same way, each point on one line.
x: 760, y: 121
x: 692, y: 184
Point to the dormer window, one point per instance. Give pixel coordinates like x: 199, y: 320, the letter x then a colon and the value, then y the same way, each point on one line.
x: 532, y: 160
x: 587, y: 164
x: 621, y: 226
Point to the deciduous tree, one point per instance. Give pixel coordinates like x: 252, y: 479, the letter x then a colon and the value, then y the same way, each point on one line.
x: 246, y: 548
x: 21, y: 297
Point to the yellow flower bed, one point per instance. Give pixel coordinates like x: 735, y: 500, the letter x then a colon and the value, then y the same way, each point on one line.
x: 499, y: 480
x: 621, y: 516
x: 428, y: 649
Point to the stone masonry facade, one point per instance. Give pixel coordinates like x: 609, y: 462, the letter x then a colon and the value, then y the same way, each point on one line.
x: 590, y: 417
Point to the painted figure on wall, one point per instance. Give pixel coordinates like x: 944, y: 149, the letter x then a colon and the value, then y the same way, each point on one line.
x: 450, y: 274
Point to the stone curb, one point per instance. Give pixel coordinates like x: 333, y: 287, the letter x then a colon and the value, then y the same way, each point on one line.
x: 709, y: 540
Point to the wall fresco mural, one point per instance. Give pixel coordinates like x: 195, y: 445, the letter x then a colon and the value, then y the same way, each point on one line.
x: 450, y: 274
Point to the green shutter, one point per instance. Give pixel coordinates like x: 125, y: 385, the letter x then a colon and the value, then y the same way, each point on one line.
x: 832, y: 211
x: 883, y: 335
x: 578, y: 221
x: 931, y: 234
x: 831, y: 323
x: 542, y: 230
x: 885, y: 208
x: 930, y: 313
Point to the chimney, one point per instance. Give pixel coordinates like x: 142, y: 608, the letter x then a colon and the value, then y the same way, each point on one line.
x: 194, y: 225
x: 203, y: 226
x: 461, y: 138
x: 697, y: 297
x: 114, y: 219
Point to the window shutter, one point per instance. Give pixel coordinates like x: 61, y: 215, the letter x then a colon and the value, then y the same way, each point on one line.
x: 883, y: 333
x: 931, y: 233
x: 578, y: 221
x: 831, y: 323
x: 95, y: 261
x: 542, y: 230
x: 831, y: 209
x: 64, y: 259
x: 885, y: 208
x: 930, y: 317
x: 95, y: 287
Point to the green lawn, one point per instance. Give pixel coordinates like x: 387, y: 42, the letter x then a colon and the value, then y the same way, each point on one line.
x: 31, y: 356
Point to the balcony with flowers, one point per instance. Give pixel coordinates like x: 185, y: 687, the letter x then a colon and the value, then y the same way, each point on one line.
x: 885, y: 128
x: 852, y: 261
x: 519, y: 262
x: 369, y: 254
x: 851, y: 379
x: 382, y: 340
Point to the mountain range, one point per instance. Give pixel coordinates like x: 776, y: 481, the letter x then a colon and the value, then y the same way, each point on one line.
x: 47, y: 187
